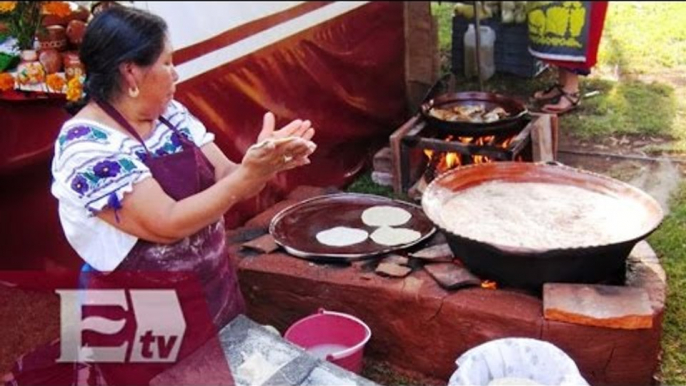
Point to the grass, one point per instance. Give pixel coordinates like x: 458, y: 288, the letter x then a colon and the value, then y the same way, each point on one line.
x: 365, y: 184
x: 633, y: 108
x: 385, y: 374
x: 639, y: 37
x: 670, y: 245
x: 443, y: 15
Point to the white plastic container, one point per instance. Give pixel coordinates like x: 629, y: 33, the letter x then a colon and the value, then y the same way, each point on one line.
x: 487, y: 47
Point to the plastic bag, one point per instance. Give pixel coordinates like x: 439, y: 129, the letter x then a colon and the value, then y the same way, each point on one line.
x: 516, y: 358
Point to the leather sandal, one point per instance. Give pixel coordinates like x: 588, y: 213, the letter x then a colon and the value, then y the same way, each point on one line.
x: 556, y: 87
x: 574, y: 101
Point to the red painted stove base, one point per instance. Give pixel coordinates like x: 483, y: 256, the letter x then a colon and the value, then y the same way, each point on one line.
x: 418, y: 326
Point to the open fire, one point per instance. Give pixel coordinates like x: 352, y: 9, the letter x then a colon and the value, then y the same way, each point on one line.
x: 420, y: 153
x: 440, y: 162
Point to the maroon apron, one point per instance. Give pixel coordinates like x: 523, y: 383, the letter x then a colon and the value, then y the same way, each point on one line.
x: 204, y: 254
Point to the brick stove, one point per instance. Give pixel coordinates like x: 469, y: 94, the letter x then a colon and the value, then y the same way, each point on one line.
x: 421, y: 327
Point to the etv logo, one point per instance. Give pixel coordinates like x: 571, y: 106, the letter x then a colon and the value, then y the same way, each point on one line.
x: 160, y: 325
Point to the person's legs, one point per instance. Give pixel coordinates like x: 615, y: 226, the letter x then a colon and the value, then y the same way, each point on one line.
x: 569, y: 93
x: 554, y: 90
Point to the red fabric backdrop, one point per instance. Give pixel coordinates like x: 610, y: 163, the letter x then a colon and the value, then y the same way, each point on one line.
x: 346, y: 75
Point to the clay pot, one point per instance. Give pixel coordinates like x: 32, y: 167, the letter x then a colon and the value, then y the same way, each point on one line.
x: 72, y: 65
x: 75, y: 31
x: 54, y: 37
x: 51, y: 61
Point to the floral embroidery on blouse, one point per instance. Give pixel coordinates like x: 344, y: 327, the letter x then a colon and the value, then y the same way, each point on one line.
x: 169, y: 144
x: 81, y: 133
x: 172, y: 143
x: 97, y: 176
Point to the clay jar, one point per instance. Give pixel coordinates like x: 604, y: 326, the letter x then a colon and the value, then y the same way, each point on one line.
x: 72, y: 65
x: 54, y: 37
x: 75, y: 31
x: 51, y: 61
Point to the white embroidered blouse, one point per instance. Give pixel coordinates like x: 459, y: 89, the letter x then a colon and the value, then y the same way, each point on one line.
x: 95, y: 166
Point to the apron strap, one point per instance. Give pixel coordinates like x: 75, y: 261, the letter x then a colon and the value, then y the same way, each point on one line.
x: 117, y: 116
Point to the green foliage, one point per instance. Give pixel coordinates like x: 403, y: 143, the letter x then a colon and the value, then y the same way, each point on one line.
x: 670, y: 245
x: 23, y: 22
x: 642, y: 36
x: 384, y: 374
x: 625, y: 108
x: 365, y: 184
x: 443, y: 14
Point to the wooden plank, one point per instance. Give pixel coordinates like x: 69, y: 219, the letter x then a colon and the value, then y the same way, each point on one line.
x: 394, y: 140
x: 542, y: 138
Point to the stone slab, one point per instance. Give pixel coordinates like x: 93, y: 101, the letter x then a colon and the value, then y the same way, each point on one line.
x: 598, y: 305
x: 396, y: 259
x: 452, y: 276
x: 393, y: 270
x: 383, y: 161
x: 263, y: 244
x: 435, y: 253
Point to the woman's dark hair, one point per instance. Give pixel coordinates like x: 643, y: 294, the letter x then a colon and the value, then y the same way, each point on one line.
x: 118, y: 35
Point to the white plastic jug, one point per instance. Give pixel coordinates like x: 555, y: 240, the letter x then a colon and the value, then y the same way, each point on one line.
x: 487, y: 47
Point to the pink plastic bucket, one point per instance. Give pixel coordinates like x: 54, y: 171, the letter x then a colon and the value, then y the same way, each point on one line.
x: 336, y: 337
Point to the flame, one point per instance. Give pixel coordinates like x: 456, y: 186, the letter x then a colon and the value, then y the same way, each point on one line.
x: 488, y: 284
x: 450, y: 160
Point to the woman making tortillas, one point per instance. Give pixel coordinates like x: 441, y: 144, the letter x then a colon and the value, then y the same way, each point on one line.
x: 566, y: 35
x: 141, y: 184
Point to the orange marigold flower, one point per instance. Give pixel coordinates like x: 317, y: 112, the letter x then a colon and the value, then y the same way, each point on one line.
x: 7, y: 6
x: 57, y: 8
x: 55, y: 82
x: 74, y: 89
x: 6, y: 81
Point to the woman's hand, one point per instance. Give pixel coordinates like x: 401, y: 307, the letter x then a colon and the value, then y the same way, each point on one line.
x: 297, y: 128
x: 267, y: 158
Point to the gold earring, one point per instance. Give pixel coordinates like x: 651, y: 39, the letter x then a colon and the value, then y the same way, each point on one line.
x: 134, y: 91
